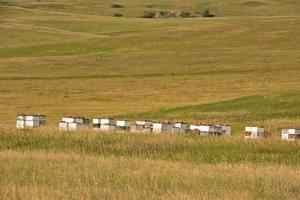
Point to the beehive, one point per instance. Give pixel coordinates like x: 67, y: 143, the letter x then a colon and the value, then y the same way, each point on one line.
x: 30, y: 121
x: 254, y: 132
x: 159, y: 127
x: 290, y: 134
x: 73, y: 123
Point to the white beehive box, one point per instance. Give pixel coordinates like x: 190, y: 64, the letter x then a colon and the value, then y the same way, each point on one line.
x: 225, y: 129
x: 194, y: 127
x: 144, y: 123
x: 33, y: 124
x: 161, y: 127
x: 79, y: 120
x: 123, y: 123
x: 106, y: 121
x: 30, y: 121
x: 290, y: 134
x: 73, y: 123
x: 63, y: 126
x: 32, y: 118
x: 107, y: 128
x: 76, y: 126
x: 96, y: 124
x: 20, y: 124
x: 254, y: 132
x: 68, y: 119
x: 181, y: 126
x: 206, y: 129
x: 157, y: 127
x: 21, y: 117
x: 96, y: 121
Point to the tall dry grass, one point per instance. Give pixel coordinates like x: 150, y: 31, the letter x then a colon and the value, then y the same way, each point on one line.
x: 53, y: 175
x: 171, y: 147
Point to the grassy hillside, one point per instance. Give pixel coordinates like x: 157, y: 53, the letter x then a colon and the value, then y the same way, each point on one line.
x: 73, y: 63
x: 134, y: 8
x: 272, y: 111
x: 72, y: 57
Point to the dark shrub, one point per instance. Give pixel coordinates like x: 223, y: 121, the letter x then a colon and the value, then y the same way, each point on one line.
x: 185, y: 14
x: 206, y: 13
x: 149, y: 15
x: 164, y: 13
x: 115, y: 5
x: 118, y: 15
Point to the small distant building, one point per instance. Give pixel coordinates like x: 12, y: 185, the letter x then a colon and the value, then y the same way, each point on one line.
x: 179, y: 127
x: 159, y: 127
x: 142, y: 126
x: 73, y: 123
x: 123, y: 126
x: 254, y: 132
x: 225, y: 129
x: 290, y: 134
x: 30, y: 121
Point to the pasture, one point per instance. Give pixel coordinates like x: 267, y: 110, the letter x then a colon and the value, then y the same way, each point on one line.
x: 74, y: 58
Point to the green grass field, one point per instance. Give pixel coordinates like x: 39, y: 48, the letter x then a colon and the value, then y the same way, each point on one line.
x: 72, y: 57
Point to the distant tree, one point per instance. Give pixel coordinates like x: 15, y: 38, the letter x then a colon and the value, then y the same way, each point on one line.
x: 115, y: 5
x: 206, y: 13
x: 118, y: 15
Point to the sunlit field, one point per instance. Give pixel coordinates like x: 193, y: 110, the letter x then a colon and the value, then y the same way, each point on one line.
x: 48, y: 164
x: 68, y: 57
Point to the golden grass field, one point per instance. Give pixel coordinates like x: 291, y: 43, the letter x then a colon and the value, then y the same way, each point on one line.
x: 70, y: 57
x: 51, y: 165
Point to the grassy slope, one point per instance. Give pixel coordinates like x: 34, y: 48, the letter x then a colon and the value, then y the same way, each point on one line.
x: 182, y: 61
x: 71, y: 57
x: 273, y: 111
x: 135, y: 8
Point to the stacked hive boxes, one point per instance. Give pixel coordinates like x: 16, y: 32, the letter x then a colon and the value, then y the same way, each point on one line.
x: 179, y: 127
x: 71, y: 123
x: 254, y: 132
x: 123, y: 126
x: 143, y: 126
x: 103, y: 124
x: 206, y: 129
x: 290, y: 134
x: 225, y: 129
x: 30, y: 121
x: 161, y: 127
x: 194, y: 128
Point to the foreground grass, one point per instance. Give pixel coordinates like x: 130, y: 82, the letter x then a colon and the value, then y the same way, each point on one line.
x: 194, y: 149
x: 52, y: 165
x: 40, y: 175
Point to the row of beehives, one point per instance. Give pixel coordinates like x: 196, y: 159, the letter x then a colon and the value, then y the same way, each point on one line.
x: 71, y: 123
x: 142, y: 126
x: 30, y: 121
